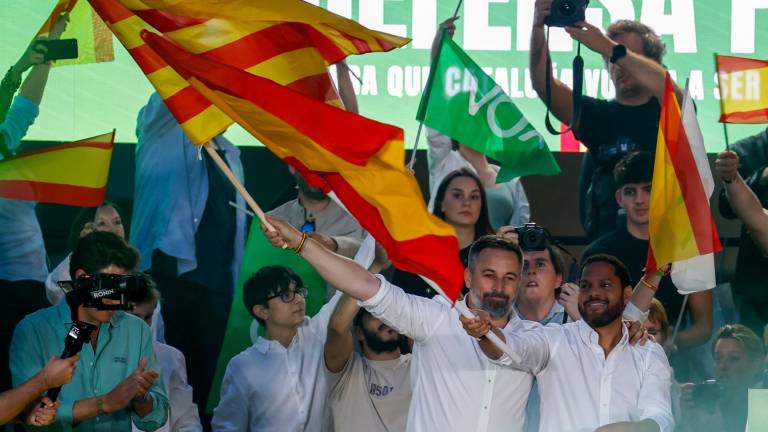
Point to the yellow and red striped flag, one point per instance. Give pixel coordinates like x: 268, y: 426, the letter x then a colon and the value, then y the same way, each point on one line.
x: 361, y: 160
x: 681, y: 227
x: 56, y: 174
x: 291, y: 43
x: 94, y: 40
x: 743, y: 85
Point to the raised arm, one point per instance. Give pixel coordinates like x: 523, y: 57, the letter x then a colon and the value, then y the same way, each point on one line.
x: 743, y: 201
x: 346, y: 90
x: 34, y: 84
x: 56, y: 372
x: 561, y: 96
x: 339, y: 343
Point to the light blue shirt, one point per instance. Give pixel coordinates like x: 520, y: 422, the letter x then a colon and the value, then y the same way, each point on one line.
x: 22, y: 251
x: 122, y: 343
x: 171, y: 189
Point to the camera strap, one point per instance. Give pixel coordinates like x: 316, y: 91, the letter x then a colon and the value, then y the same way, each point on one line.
x: 578, y: 81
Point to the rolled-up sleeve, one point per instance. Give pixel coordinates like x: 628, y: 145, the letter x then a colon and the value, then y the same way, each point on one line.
x: 655, y: 402
x: 20, y: 117
x: 414, y: 316
x: 159, y: 414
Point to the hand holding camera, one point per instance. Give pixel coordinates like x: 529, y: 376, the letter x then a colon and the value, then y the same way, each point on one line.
x: 559, y: 13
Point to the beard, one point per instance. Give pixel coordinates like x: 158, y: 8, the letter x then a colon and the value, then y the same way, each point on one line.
x: 497, y: 305
x: 596, y: 320
x: 379, y: 345
x: 313, y: 193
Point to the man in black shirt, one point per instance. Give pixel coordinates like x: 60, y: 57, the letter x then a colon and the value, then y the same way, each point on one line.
x: 629, y: 243
x: 609, y: 129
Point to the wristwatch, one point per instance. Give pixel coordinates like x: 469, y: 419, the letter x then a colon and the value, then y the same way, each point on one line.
x: 619, y: 51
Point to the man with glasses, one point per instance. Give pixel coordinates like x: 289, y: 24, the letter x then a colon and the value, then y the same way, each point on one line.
x: 279, y: 382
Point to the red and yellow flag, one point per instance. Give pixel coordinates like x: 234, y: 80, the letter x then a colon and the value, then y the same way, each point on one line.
x: 94, y: 40
x: 358, y: 158
x: 743, y: 85
x: 289, y: 42
x: 681, y: 225
x: 56, y: 174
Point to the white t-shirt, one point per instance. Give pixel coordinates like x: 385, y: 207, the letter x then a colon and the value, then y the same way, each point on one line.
x: 368, y: 395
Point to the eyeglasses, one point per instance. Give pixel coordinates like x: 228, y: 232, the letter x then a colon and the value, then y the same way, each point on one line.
x: 289, y: 295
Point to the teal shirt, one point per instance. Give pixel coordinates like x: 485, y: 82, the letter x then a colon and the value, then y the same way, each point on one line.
x: 121, y: 344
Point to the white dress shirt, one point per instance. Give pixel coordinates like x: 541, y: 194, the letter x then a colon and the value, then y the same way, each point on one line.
x: 455, y: 386
x: 269, y: 387
x: 581, y: 389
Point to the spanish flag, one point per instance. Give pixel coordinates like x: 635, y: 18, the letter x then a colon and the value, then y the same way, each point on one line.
x: 743, y: 85
x: 681, y: 227
x: 360, y: 159
x: 94, y: 40
x: 288, y: 41
x: 72, y: 174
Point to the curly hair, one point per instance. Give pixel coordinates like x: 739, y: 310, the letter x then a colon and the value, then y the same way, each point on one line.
x: 653, y: 47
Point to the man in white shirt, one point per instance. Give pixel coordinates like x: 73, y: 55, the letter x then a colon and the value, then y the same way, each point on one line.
x: 589, y: 376
x: 278, y: 384
x: 455, y: 387
x: 369, y: 391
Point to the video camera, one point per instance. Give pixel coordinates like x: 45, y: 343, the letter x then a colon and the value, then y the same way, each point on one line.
x: 708, y: 393
x: 565, y: 13
x: 532, y: 237
x: 90, y: 290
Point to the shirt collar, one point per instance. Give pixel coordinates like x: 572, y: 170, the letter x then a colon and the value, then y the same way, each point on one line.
x: 590, y: 336
x: 556, y: 308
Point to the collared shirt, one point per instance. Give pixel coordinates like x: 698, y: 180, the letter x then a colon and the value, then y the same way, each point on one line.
x: 171, y: 189
x: 269, y: 387
x: 121, y: 345
x: 556, y: 315
x: 507, y: 202
x: 582, y: 389
x: 22, y: 251
x: 455, y: 386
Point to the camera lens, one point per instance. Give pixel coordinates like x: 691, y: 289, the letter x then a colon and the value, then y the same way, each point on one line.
x: 567, y: 8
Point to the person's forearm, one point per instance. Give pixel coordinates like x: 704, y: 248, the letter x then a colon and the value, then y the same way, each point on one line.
x: 343, y: 315
x: 343, y: 273
x: 489, y: 348
x: 538, y: 59
x: 143, y: 408
x: 746, y: 205
x: 13, y: 402
x: 346, y: 90
x: 693, y: 336
x: 642, y: 295
x: 84, y: 409
x: 34, y: 84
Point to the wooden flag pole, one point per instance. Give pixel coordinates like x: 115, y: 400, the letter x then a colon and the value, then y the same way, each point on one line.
x: 720, y: 92
x: 238, y: 186
x: 679, y: 318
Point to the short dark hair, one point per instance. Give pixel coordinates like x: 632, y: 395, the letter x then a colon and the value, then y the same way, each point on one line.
x: 748, y: 339
x: 557, y: 258
x: 492, y: 241
x: 359, y: 316
x: 98, y: 250
x: 635, y: 167
x: 151, y: 294
x: 266, y: 282
x: 483, y: 224
x: 653, y: 47
x: 619, y: 269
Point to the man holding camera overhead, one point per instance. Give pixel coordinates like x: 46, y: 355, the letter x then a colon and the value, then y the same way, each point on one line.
x: 115, y: 382
x: 609, y: 129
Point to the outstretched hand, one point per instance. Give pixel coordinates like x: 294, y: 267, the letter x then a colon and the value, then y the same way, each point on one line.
x: 284, y: 236
x: 43, y: 413
x: 727, y: 166
x: 479, y: 326
x: 592, y: 37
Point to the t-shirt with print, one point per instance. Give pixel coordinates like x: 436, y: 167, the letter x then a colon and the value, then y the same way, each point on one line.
x: 371, y: 395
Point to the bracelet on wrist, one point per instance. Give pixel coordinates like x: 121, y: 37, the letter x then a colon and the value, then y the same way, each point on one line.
x: 300, y: 246
x: 8, y: 83
x: 100, y: 406
x: 650, y: 286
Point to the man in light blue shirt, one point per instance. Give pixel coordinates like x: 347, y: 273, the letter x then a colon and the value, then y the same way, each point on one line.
x: 115, y: 382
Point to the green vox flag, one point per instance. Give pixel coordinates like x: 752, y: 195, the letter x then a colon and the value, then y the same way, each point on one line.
x: 259, y: 252
x: 466, y: 104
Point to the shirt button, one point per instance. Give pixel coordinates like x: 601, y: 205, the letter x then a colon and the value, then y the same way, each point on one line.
x: 485, y: 407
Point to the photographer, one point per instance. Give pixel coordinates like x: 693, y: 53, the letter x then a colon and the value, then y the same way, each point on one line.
x: 722, y: 405
x: 609, y: 129
x: 115, y: 382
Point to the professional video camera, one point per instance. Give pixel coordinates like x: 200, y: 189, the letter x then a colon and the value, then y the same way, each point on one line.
x: 532, y: 237
x: 90, y: 290
x: 565, y: 13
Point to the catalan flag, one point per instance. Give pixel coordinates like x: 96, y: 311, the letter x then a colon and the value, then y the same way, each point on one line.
x: 358, y: 158
x: 94, y: 40
x: 681, y: 227
x: 287, y: 41
x: 71, y: 174
x: 743, y: 85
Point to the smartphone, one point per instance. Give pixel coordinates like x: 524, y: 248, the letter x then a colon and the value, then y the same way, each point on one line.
x: 60, y: 49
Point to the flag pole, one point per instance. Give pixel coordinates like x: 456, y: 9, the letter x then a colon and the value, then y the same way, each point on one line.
x: 720, y: 92
x: 238, y: 186
x: 467, y: 313
x: 427, y: 89
x: 679, y: 318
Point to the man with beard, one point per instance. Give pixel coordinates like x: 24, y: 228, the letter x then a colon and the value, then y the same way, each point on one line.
x: 371, y: 391
x: 590, y: 377
x: 633, y: 55
x: 278, y: 384
x: 458, y: 388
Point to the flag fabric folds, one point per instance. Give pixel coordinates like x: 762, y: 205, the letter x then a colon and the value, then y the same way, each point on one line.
x: 743, y: 85
x: 361, y: 160
x: 681, y: 227
x: 94, y: 40
x: 56, y: 174
x: 466, y: 104
x: 289, y: 42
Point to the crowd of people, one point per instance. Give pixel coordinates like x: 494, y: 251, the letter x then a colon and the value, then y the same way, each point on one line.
x: 607, y: 346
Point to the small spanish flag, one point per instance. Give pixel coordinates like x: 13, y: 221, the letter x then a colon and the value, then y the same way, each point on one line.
x: 743, y: 89
x: 71, y: 174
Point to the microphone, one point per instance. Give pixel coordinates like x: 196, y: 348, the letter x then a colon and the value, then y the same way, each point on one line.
x: 78, y: 335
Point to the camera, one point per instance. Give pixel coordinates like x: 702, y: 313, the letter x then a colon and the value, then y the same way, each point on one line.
x: 708, y: 393
x: 89, y: 290
x: 565, y: 13
x: 532, y: 237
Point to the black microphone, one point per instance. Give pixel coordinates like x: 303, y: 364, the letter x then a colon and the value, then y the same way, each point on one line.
x: 78, y: 335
